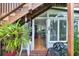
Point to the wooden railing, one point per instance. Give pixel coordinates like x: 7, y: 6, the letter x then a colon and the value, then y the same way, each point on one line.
x: 19, y: 11
x: 8, y: 7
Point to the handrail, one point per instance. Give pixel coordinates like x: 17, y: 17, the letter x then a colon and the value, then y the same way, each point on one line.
x: 7, y: 7
x: 12, y: 11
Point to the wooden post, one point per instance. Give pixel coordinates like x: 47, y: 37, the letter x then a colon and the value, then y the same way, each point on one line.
x: 70, y: 11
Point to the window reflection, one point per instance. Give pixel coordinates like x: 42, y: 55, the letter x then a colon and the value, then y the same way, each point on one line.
x: 62, y: 30
x: 53, y: 30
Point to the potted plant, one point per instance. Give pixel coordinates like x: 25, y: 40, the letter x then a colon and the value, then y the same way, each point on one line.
x: 14, y: 36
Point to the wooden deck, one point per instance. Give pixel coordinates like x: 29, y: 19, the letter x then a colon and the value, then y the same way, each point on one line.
x: 39, y: 52
x: 35, y: 53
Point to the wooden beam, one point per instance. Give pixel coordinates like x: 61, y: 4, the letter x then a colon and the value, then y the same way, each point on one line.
x: 41, y: 9
x: 70, y: 11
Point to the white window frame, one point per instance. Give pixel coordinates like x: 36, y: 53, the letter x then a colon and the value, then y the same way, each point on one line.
x: 33, y: 34
x: 58, y: 29
x: 48, y: 28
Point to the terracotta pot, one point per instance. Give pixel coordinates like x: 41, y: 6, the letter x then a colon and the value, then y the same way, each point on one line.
x: 10, y: 53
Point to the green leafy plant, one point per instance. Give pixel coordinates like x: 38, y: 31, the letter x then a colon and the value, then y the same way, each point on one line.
x: 76, y: 43
x: 13, y: 36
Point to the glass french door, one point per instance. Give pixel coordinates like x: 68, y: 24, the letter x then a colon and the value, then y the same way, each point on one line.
x: 56, y: 30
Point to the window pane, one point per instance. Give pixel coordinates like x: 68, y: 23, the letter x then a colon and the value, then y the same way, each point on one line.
x: 76, y: 25
x: 62, y: 30
x: 53, y: 30
x: 76, y: 22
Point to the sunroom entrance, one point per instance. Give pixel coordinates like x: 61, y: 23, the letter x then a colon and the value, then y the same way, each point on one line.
x: 40, y: 34
x: 49, y: 28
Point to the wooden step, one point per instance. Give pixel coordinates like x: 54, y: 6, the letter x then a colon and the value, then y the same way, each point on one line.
x: 38, y: 52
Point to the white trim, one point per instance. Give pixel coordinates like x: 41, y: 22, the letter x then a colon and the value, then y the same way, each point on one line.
x: 78, y: 25
x: 52, y: 18
x: 58, y: 30
x: 48, y: 31
x: 57, y: 41
x: 66, y: 30
x: 41, y: 18
x: 33, y: 35
x: 58, y: 18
